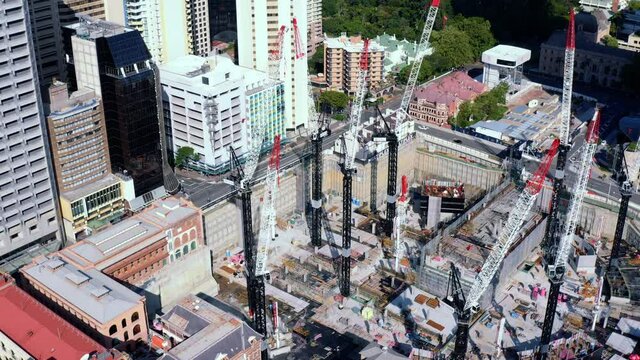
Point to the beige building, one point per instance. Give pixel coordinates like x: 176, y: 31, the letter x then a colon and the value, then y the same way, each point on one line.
x: 595, y: 63
x: 632, y: 43
x: 88, y: 190
x: 98, y: 305
x: 342, y: 63
x: 314, y: 25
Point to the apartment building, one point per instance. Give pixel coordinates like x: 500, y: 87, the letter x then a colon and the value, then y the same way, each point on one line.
x: 258, y: 24
x: 27, y: 191
x: 594, y: 63
x: 113, y: 61
x: 135, y: 249
x: 209, y: 102
x: 99, y: 306
x: 35, y: 332
x: 171, y: 29
x: 342, y: 62
x: 314, y: 25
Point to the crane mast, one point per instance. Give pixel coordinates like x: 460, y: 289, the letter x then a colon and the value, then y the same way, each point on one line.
x: 506, y: 238
x: 349, y: 148
x: 626, y: 190
x: 401, y: 220
x: 402, y: 114
x: 556, y: 270
x: 549, y: 243
x: 318, y: 130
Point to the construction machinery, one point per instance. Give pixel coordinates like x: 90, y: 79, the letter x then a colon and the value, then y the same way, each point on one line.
x: 402, y: 115
x: 626, y: 190
x: 549, y: 243
x: 401, y: 221
x: 556, y: 267
x: 350, y: 146
x: 319, y: 130
x: 466, y: 307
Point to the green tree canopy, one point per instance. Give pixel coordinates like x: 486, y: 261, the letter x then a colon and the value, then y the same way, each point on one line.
x: 633, y: 5
x: 452, y: 48
x: 335, y: 100
x: 478, y: 30
x: 185, y: 153
x: 426, y: 71
x: 610, y: 41
x: 316, y: 62
x: 488, y: 106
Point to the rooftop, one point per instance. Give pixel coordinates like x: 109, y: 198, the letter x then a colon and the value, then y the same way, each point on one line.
x: 583, y: 43
x: 214, y: 331
x: 457, y: 86
x: 93, y: 187
x: 351, y: 44
x: 90, y: 28
x: 131, y: 235
x: 204, y: 74
x: 89, y: 291
x: 374, y: 351
x: 38, y: 330
x: 507, y: 52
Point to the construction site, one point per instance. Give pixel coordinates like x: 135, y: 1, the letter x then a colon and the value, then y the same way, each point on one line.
x: 428, y: 248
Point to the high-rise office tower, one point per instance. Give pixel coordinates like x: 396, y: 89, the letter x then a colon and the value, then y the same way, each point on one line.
x: 222, y: 20
x: 113, y: 61
x: 27, y: 207
x: 258, y: 25
x: 171, y: 29
x: 47, y: 17
x: 314, y: 25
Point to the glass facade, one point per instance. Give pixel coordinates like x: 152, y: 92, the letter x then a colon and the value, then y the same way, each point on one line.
x: 267, y: 106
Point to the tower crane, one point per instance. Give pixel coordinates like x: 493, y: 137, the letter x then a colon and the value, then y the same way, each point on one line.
x: 402, y: 114
x: 466, y: 307
x: 556, y: 269
x: 401, y: 220
x: 626, y: 190
x: 349, y: 148
x: 319, y: 130
x: 549, y: 244
x: 255, y: 258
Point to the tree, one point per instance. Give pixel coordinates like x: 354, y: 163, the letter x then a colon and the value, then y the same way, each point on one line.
x: 316, y: 62
x: 610, y: 41
x: 633, y: 5
x: 335, y: 100
x: 488, y: 106
x: 184, y: 154
x: 452, y: 48
x: 478, y: 30
x: 426, y: 71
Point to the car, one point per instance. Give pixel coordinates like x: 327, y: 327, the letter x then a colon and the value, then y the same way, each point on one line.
x: 457, y: 141
x: 422, y: 127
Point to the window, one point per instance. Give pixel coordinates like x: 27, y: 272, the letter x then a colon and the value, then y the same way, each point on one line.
x: 126, y: 335
x: 136, y: 329
x: 185, y: 249
x: 113, y: 329
x: 124, y: 323
x: 178, y: 254
x: 193, y: 245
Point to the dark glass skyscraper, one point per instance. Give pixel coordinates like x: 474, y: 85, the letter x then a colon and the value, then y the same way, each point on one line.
x: 222, y: 20
x: 114, y: 61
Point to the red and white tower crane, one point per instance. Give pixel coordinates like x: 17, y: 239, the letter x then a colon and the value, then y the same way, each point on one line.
x: 556, y: 270
x: 549, y: 243
x: 466, y: 307
x: 401, y: 220
x: 350, y: 146
x: 402, y: 114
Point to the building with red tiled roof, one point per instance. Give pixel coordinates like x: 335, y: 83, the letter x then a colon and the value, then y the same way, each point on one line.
x: 438, y: 101
x: 29, y: 330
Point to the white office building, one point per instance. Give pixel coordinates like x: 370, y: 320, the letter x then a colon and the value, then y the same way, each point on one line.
x: 27, y: 208
x: 503, y: 63
x: 258, y: 25
x: 210, y: 102
x: 171, y: 29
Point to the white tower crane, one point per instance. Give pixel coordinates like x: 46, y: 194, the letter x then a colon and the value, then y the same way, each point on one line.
x: 506, y: 238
